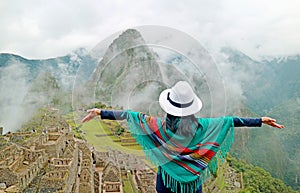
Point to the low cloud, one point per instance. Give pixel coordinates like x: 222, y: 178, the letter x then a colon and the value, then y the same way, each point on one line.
x: 48, y: 29
x: 13, y: 88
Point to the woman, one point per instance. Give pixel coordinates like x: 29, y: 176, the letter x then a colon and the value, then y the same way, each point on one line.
x: 182, y: 145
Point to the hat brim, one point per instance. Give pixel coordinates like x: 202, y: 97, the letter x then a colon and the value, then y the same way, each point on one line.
x: 176, y: 111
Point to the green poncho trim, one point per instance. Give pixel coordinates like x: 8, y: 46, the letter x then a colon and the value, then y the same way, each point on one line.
x: 185, y: 162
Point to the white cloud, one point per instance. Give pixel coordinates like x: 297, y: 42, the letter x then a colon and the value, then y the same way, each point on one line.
x: 40, y: 29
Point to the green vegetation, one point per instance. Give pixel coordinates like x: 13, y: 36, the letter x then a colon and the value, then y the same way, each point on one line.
x: 133, y: 188
x: 3, y: 142
x: 220, y: 181
x: 127, y: 186
x: 119, y: 130
x: 277, y: 151
x: 257, y: 180
x: 97, y: 134
x: 96, y: 105
x: 75, y: 128
x: 37, y: 121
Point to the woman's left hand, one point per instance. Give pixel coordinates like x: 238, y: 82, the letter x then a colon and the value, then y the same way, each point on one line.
x: 271, y: 122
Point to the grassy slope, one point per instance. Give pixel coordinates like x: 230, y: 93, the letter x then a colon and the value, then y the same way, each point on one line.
x: 94, y: 128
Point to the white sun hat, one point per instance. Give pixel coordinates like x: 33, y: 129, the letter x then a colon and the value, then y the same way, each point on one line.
x: 180, y: 100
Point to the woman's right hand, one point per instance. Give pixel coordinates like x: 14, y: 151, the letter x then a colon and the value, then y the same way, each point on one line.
x: 92, y: 113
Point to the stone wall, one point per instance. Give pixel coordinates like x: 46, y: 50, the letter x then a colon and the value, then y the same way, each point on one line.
x: 97, y: 182
x: 87, y: 169
x: 7, y: 177
x: 30, y: 171
x: 128, y: 140
x: 113, y: 187
x: 54, y: 180
x: 146, y: 180
x: 53, y: 143
x: 67, y: 160
x: 9, y: 155
x: 19, y: 134
x: 20, y: 165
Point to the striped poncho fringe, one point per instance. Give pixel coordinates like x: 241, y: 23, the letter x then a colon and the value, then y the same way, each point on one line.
x: 185, y: 168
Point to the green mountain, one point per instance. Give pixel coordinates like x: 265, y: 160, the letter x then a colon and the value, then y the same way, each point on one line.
x: 271, y: 88
x: 289, y: 112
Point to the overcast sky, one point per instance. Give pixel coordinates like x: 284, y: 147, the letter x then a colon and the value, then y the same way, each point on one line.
x: 42, y: 29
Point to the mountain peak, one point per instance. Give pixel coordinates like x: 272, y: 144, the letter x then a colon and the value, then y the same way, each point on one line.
x: 129, y: 38
x: 128, y: 65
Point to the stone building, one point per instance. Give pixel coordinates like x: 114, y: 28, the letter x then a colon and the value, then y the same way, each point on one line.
x: 233, y: 179
x: 19, y: 166
x: 111, y: 179
x: 100, y: 159
x: 63, y: 161
x: 146, y: 180
x: 55, y: 161
x: 87, y: 169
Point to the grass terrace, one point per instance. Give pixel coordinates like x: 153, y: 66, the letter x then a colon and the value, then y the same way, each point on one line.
x: 100, y: 135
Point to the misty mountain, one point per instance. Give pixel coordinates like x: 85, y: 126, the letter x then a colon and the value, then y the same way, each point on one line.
x: 271, y: 88
x: 267, y: 83
x: 63, y: 68
x: 129, y: 73
x: 127, y: 69
x: 27, y: 84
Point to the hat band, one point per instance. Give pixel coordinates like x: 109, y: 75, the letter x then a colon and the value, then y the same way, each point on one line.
x: 179, y: 105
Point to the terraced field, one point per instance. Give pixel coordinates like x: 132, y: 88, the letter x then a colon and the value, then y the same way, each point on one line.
x: 100, y: 134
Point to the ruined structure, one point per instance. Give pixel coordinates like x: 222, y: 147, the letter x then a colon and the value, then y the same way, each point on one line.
x: 111, y: 178
x: 54, y: 161
x: 144, y: 179
x: 19, y: 166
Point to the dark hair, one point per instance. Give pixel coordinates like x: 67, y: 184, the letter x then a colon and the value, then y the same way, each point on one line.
x: 185, y: 126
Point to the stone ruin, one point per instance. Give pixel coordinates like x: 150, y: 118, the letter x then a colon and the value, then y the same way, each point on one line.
x: 113, y: 165
x: 234, y: 180
x: 55, y: 161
